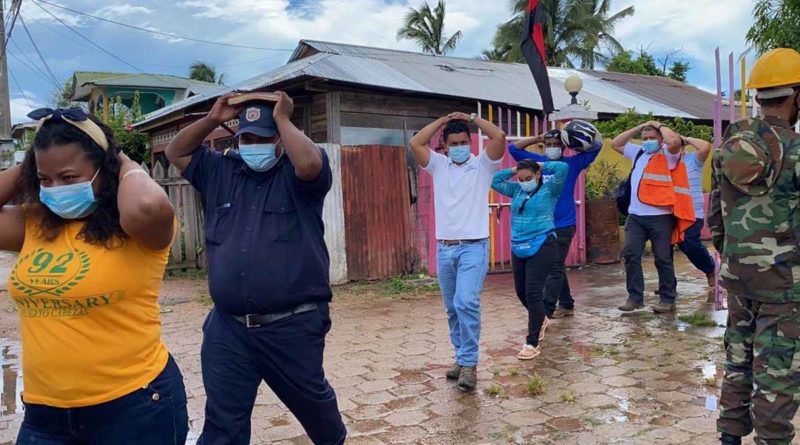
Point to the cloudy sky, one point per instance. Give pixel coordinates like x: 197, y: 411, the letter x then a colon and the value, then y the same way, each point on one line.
x: 695, y: 27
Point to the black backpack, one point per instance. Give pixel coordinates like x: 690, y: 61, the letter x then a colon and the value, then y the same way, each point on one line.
x: 623, y: 193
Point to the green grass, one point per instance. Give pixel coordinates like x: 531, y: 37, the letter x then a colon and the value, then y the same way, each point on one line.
x: 700, y: 319
x: 409, y: 285
x: 186, y: 274
x: 569, y: 396
x: 535, y: 385
x: 205, y: 299
x: 711, y: 381
x: 493, y: 390
x: 514, y: 372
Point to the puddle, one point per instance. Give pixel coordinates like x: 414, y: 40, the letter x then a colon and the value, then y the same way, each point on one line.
x: 11, y: 383
x: 710, y: 370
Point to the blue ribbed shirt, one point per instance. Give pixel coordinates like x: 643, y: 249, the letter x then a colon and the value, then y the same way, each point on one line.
x: 537, y: 217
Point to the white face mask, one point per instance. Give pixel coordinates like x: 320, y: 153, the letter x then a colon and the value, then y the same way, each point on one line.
x: 553, y: 153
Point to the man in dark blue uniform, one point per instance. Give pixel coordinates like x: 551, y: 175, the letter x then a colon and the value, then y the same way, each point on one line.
x: 267, y: 270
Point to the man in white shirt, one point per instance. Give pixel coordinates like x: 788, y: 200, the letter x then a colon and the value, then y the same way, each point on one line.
x: 692, y: 246
x: 647, y: 222
x: 461, y: 183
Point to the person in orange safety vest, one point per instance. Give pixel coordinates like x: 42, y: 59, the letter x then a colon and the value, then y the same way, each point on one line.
x: 660, y: 209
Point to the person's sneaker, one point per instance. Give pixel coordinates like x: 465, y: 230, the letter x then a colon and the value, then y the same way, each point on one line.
x: 544, y: 328
x: 528, y: 352
x: 454, y: 372
x: 468, y: 379
x: 561, y: 313
x: 727, y: 439
x: 630, y: 305
x: 663, y: 308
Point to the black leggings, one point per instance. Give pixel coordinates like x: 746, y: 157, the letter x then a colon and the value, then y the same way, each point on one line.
x: 530, y: 275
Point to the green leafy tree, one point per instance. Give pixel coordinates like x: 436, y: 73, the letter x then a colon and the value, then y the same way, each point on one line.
x: 776, y: 24
x: 630, y: 119
x: 576, y: 30
x: 60, y: 97
x: 205, y: 72
x: 624, y: 62
x: 426, y: 27
x: 121, y: 118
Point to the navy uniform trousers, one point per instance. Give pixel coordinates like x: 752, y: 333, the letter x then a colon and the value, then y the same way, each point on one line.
x: 287, y: 355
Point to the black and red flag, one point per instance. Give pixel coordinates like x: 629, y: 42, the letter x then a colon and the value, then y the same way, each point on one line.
x: 534, y: 52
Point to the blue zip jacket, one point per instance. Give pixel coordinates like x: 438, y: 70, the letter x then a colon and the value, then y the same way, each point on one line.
x: 537, y: 218
x: 565, y: 208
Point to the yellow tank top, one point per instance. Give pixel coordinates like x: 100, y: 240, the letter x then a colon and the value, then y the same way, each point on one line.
x: 89, y: 318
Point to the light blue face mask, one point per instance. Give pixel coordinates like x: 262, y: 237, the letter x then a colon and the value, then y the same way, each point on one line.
x: 459, y: 154
x: 72, y: 201
x: 528, y: 186
x: 259, y: 157
x: 650, y: 146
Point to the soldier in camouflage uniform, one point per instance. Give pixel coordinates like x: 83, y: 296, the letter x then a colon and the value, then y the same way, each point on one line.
x: 755, y: 222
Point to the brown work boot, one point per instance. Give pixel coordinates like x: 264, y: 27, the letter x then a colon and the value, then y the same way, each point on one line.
x: 630, y: 305
x: 561, y: 313
x: 453, y: 373
x: 468, y: 379
x: 663, y: 308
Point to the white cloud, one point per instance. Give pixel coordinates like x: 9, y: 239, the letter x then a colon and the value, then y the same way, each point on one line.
x: 118, y: 11
x: 696, y: 27
x: 37, y: 12
x: 20, y: 107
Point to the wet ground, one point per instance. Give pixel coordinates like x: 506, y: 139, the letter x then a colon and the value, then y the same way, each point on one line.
x: 603, y: 377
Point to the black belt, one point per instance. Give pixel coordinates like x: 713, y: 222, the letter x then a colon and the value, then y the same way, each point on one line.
x: 256, y: 320
x: 457, y: 242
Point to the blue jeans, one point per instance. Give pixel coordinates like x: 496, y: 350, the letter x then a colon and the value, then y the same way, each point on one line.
x: 462, y: 269
x: 287, y: 355
x: 154, y: 415
x: 694, y: 249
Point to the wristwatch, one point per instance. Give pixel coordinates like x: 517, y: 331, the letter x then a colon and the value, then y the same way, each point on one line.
x: 472, y: 117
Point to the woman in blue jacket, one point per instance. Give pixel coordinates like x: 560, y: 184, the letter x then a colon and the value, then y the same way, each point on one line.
x: 533, y: 239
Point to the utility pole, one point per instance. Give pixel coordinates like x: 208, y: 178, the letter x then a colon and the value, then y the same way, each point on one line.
x: 5, y: 99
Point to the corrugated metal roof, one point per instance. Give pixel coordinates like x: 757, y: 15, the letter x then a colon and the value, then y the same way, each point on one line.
x: 496, y: 82
x: 84, y: 81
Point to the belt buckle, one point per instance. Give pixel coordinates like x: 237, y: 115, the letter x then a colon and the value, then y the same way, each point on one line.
x: 247, y: 322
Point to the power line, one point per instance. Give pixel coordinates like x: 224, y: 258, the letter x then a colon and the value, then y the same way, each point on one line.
x: 109, y: 53
x: 14, y: 11
x: 21, y: 91
x: 161, y: 65
x: 41, y: 72
x: 38, y: 73
x: 41, y: 57
x: 166, y: 34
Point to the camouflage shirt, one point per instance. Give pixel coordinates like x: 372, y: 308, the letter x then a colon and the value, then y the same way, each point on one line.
x: 758, y: 236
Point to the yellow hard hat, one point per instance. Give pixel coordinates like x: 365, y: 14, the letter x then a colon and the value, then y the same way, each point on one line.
x: 779, y: 67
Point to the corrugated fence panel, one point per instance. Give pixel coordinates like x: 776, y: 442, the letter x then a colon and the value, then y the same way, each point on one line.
x: 379, y: 234
x: 333, y: 218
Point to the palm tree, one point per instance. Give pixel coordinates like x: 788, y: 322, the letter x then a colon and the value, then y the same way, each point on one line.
x: 573, y: 30
x: 206, y: 73
x: 426, y: 27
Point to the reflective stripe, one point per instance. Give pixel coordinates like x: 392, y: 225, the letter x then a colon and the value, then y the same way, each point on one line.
x: 683, y: 190
x: 663, y: 178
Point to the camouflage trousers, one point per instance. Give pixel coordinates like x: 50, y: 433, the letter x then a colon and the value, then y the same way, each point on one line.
x: 761, y: 387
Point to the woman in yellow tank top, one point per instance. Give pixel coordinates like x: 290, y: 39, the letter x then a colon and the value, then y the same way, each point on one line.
x: 93, y: 235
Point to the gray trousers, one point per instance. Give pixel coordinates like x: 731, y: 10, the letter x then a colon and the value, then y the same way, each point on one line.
x: 658, y: 230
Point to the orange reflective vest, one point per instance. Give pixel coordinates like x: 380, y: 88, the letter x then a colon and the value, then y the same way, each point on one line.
x: 663, y: 187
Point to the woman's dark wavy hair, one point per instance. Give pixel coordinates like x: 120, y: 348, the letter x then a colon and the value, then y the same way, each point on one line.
x: 527, y: 164
x: 102, y: 226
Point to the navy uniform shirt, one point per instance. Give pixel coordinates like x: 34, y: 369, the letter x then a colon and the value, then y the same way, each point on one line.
x: 264, y: 233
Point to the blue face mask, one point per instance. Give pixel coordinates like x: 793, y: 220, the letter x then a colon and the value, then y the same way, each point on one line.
x: 259, y: 157
x: 650, y: 146
x: 72, y: 201
x: 528, y: 186
x: 459, y: 154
